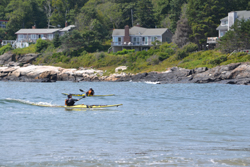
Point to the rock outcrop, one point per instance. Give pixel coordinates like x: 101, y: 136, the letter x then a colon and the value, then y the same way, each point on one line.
x: 9, y: 58
x: 6, y: 58
x: 237, y: 73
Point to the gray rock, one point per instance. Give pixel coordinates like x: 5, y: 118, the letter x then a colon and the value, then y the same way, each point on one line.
x: 27, y: 58
x: 6, y: 58
x: 200, y: 69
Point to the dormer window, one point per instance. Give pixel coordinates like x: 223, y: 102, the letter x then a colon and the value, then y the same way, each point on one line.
x: 224, y: 23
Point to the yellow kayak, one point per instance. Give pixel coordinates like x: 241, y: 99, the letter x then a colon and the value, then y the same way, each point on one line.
x: 79, y: 106
x: 88, y: 95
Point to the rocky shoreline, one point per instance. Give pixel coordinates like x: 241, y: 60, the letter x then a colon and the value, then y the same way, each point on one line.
x: 236, y: 73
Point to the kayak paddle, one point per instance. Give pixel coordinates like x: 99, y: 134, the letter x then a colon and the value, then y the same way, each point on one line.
x: 81, y: 90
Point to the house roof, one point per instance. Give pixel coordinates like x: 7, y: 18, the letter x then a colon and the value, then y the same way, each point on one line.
x: 68, y: 28
x: 222, y: 27
x: 37, y: 31
x: 140, y: 31
x: 240, y: 15
x: 243, y: 14
x: 118, y: 32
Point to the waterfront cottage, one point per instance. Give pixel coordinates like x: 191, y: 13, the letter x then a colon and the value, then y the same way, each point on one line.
x: 26, y: 36
x: 227, y: 22
x: 138, y: 38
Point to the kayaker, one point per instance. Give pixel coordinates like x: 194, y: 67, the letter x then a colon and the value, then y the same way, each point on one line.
x: 70, y: 101
x: 90, y: 92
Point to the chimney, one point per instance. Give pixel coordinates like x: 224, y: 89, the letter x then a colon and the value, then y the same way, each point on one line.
x: 232, y: 16
x: 34, y: 27
x: 66, y: 24
x: 126, y: 37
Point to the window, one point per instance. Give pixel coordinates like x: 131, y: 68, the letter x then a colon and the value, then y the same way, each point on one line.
x: 33, y: 36
x: 20, y: 36
x: 222, y: 33
x: 146, y: 40
x: 153, y: 39
x: 224, y: 23
x: 137, y: 40
x: 50, y: 36
x: 117, y: 40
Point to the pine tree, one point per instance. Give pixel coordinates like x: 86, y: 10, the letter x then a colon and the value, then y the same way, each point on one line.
x: 145, y: 14
x: 183, y: 30
x: 204, y: 17
x: 56, y: 41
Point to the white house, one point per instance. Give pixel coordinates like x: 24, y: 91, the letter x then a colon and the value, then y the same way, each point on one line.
x: 138, y: 38
x: 228, y: 21
x: 26, y: 36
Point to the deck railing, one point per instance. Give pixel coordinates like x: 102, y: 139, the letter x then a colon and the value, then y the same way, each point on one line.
x: 131, y: 44
x: 5, y: 42
x: 212, y: 40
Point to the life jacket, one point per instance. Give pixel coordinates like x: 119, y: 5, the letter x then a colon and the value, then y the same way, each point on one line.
x: 66, y: 102
x: 69, y: 102
x: 90, y: 92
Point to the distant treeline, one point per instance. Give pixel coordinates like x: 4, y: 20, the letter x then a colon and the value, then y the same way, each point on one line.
x: 189, y: 20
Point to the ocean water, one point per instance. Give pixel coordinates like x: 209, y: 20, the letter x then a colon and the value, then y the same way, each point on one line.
x: 157, y: 125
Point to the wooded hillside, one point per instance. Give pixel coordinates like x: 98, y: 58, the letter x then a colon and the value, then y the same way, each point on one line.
x: 95, y: 18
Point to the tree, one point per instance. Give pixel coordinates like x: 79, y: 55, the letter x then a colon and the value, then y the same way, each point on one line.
x: 56, y: 41
x: 237, y: 38
x: 144, y: 14
x: 181, y: 36
x: 91, y: 20
x: 48, y: 10
x: 175, y: 13
x: 3, y: 5
x: 23, y: 14
x: 113, y: 12
x: 72, y: 41
x: 204, y: 17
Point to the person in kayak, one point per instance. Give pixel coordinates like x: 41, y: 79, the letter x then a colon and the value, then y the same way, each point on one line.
x: 90, y: 92
x: 70, y: 101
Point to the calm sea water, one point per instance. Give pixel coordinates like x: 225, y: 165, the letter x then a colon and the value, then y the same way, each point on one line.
x: 158, y: 125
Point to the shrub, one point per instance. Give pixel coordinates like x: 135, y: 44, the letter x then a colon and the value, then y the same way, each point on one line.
x: 218, y: 60
x: 190, y: 47
x: 163, y: 56
x: 170, y: 51
x: 22, y: 51
x: 41, y: 45
x: 180, y: 54
x: 153, y: 60
x: 5, y: 48
x: 125, y: 51
x: 99, y: 55
x: 185, y: 50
